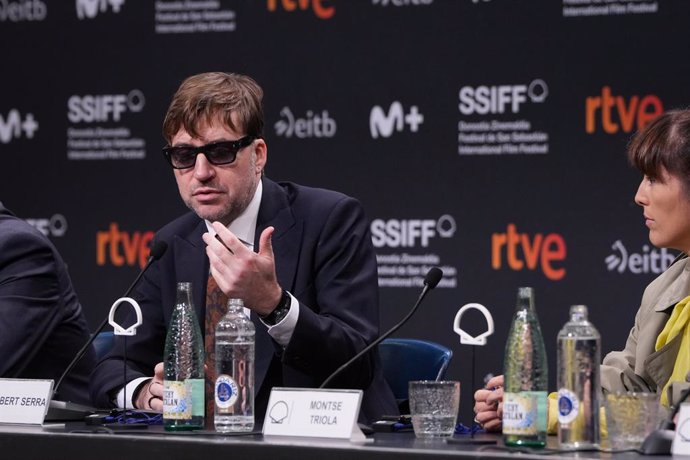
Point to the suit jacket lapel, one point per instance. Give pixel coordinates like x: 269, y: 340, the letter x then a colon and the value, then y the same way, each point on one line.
x: 275, y: 211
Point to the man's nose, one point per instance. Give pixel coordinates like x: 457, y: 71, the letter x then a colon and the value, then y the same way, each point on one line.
x: 203, y: 169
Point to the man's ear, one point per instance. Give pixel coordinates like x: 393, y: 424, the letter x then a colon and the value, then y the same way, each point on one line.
x: 261, y: 152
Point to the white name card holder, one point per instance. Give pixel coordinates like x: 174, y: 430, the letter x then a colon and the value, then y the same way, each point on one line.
x: 307, y: 412
x: 681, y: 441
x: 24, y: 401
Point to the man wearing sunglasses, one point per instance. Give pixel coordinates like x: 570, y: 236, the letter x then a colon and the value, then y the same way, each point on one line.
x: 300, y: 258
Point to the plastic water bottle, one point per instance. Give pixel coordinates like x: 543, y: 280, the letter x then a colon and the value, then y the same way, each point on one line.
x: 525, y: 405
x: 183, y: 381
x: 579, y: 350
x: 234, y: 387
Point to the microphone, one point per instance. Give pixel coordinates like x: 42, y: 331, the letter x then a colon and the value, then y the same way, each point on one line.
x: 659, y: 441
x: 432, y: 278
x: 156, y: 253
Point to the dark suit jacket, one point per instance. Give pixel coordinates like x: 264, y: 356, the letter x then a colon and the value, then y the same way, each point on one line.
x: 324, y: 257
x: 42, y: 326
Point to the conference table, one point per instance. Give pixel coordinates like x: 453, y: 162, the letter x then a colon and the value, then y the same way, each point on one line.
x: 80, y: 442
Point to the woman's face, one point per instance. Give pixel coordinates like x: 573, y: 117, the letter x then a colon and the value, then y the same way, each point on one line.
x: 666, y: 207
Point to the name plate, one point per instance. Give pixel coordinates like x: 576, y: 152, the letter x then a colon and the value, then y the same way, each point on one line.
x: 24, y: 401
x: 681, y: 441
x: 314, y: 413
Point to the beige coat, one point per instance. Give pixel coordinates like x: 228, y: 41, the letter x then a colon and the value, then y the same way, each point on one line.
x: 639, y: 367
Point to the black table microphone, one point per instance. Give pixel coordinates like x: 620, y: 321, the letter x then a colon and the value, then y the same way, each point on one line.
x: 156, y: 253
x: 659, y: 441
x: 433, y: 276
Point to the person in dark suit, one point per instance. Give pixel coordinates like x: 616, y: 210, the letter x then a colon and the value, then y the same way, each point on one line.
x: 42, y: 326
x: 301, y: 258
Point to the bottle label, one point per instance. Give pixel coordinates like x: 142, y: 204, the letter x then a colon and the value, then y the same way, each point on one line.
x: 524, y: 413
x: 226, y: 391
x: 176, y: 400
x: 568, y: 406
x: 196, y: 391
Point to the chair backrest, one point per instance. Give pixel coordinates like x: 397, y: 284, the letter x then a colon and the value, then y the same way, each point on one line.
x: 103, y: 343
x: 412, y: 359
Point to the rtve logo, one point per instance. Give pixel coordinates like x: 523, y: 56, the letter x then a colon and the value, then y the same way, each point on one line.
x: 14, y: 125
x: 55, y: 226
x: 649, y: 261
x: 633, y: 113
x: 22, y: 10
x: 120, y: 247
x: 382, y: 124
x: 497, y: 99
x: 312, y: 125
x: 104, y: 107
x: 522, y: 250
x: 317, y: 6
x: 89, y: 9
x: 397, y: 233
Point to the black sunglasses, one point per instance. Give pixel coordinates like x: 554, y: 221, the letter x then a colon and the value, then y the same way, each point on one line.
x: 217, y: 153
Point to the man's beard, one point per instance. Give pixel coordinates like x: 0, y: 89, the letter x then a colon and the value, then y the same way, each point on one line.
x: 227, y: 213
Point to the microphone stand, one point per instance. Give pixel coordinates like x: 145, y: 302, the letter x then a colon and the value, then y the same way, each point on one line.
x: 80, y: 354
x: 431, y: 279
x: 64, y: 410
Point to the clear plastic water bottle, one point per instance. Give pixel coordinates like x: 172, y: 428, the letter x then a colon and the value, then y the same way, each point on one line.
x: 525, y: 405
x: 234, y: 387
x: 579, y: 390
x: 183, y: 380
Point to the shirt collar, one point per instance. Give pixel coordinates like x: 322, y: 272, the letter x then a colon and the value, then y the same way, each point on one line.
x: 244, y: 226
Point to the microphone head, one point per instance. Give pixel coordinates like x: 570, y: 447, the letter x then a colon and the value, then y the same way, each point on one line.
x: 433, y: 276
x: 158, y: 250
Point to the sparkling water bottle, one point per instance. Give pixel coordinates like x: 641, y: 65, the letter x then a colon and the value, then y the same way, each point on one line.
x: 183, y: 384
x: 526, y: 377
x: 579, y: 390
x: 234, y: 387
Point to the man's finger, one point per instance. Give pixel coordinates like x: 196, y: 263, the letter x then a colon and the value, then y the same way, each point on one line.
x: 158, y: 371
x: 228, y: 239
x: 493, y: 425
x: 481, y: 395
x: 495, y: 382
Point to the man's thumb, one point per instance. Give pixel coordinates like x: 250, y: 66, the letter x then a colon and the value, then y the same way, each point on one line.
x: 265, y: 244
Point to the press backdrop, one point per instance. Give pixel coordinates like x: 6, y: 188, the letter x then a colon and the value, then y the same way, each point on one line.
x: 486, y: 137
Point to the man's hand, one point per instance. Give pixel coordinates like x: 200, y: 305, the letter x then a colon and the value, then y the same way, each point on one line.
x: 150, y: 396
x: 488, y: 405
x: 241, y: 273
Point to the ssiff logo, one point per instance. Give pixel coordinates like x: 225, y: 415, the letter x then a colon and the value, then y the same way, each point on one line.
x: 55, y: 226
x: 317, y: 6
x: 89, y: 9
x: 384, y: 124
x: 523, y: 251
x: 618, y: 112
x: 120, y: 247
x: 104, y: 107
x: 649, y: 261
x: 408, y: 233
x: 314, y: 124
x: 500, y: 98
x: 14, y: 125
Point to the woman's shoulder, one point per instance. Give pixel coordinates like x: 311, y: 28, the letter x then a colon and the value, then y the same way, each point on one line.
x: 670, y: 287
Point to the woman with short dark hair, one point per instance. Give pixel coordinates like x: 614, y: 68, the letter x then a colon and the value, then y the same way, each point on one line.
x: 656, y: 357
